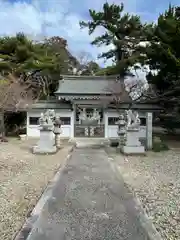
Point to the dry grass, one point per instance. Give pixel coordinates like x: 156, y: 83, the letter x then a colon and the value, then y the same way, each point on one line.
x: 23, y: 177
x: 156, y: 181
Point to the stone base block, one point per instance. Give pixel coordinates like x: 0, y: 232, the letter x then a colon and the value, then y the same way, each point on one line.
x: 133, y: 150
x: 38, y: 150
x: 89, y: 142
x: 23, y: 137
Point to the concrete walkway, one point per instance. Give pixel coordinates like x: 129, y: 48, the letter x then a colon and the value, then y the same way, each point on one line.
x: 89, y: 202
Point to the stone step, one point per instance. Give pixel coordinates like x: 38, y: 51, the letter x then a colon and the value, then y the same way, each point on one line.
x: 90, y: 142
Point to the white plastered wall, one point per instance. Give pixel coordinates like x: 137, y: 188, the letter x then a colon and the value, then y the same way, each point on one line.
x: 67, y: 130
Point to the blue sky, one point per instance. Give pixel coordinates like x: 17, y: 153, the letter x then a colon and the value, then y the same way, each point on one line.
x: 61, y: 17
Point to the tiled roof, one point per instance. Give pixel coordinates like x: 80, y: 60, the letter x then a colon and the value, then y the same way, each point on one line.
x: 73, y: 87
x: 85, y: 85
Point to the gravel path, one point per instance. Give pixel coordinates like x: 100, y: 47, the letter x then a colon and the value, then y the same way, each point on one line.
x: 89, y: 202
x: 23, y: 177
x: 156, y: 181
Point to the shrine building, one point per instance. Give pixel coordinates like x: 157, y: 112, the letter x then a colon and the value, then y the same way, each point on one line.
x: 86, y: 106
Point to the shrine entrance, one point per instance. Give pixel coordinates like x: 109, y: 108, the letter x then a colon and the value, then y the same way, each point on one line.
x: 89, y: 122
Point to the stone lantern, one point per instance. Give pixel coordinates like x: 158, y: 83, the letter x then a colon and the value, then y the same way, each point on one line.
x: 57, y: 131
x: 121, y: 130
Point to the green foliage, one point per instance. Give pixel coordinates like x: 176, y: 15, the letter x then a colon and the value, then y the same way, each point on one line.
x: 15, y: 123
x: 19, y: 54
x: 23, y: 57
x: 91, y: 68
x: 159, y: 145
x: 62, y: 58
x: 123, y: 30
x: 109, y: 70
x: 163, y: 56
x: 163, y: 53
x: 39, y: 62
x: 114, y: 143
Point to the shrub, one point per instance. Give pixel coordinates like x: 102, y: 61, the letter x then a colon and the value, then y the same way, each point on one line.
x: 159, y: 145
x: 114, y: 143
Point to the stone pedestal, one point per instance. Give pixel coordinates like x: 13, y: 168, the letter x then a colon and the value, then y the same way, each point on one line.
x: 46, y: 144
x: 132, y: 144
x: 132, y: 150
x: 23, y: 137
x: 132, y: 137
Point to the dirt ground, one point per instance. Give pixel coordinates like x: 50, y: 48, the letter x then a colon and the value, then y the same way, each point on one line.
x: 23, y: 177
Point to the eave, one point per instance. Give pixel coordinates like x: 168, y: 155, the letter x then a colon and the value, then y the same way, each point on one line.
x: 69, y: 97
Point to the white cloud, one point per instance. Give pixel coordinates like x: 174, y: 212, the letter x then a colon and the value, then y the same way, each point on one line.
x: 38, y: 20
x: 45, y: 18
x: 30, y: 18
x: 51, y: 18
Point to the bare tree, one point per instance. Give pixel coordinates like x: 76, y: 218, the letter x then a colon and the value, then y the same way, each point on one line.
x: 84, y: 57
x: 129, y: 91
x: 15, y: 95
x: 39, y: 83
x: 85, y: 65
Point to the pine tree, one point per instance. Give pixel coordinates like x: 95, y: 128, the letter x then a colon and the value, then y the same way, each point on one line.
x: 36, y: 61
x: 163, y: 53
x: 163, y: 57
x: 123, y: 30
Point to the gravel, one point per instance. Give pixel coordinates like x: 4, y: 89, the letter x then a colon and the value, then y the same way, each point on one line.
x: 155, y: 179
x: 23, y: 177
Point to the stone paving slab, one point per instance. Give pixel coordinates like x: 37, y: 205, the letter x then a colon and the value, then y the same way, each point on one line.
x: 89, y: 202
